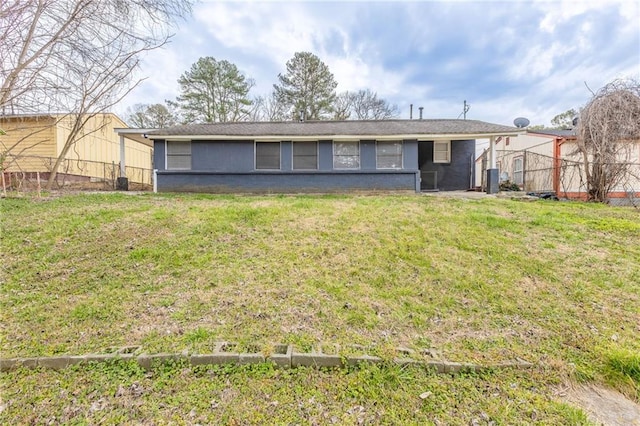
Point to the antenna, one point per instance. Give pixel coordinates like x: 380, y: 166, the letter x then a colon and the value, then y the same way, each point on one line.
x: 465, y: 109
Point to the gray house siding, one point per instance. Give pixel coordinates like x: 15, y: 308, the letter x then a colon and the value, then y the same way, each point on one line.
x: 229, y: 166
x: 159, y: 155
x: 274, y: 182
x: 325, y: 155
x: 456, y: 175
x: 222, y: 156
x: 367, y: 155
x: 410, y: 155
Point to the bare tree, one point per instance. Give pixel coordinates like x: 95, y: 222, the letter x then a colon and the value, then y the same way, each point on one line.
x: 269, y: 108
x: 368, y: 106
x: 342, y: 106
x: 362, y: 105
x: 145, y: 116
x: 77, y: 57
x: 608, y: 129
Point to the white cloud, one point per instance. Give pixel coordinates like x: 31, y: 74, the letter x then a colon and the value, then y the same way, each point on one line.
x: 509, y: 59
x: 265, y: 30
x: 557, y: 14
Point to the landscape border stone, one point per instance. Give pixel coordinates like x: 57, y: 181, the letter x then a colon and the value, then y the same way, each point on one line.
x: 282, y: 355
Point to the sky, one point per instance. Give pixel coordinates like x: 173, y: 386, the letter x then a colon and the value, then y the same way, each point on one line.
x: 509, y: 59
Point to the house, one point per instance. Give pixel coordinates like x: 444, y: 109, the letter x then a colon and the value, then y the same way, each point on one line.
x: 320, y: 156
x: 547, y: 161
x: 33, y: 142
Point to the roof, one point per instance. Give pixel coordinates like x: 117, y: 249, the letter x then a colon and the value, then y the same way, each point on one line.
x: 352, y: 129
x: 565, y: 133
x: 138, y: 135
x: 5, y: 117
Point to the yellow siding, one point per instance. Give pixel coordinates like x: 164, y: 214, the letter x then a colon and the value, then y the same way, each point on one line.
x: 28, y: 143
x: 96, y: 152
x: 38, y: 140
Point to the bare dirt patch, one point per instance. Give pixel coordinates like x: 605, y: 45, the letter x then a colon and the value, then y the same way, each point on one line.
x: 603, y: 406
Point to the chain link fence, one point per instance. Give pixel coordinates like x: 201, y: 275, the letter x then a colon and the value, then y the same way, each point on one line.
x: 565, y: 178
x: 72, y: 174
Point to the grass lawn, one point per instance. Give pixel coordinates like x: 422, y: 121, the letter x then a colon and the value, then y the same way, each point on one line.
x: 556, y: 284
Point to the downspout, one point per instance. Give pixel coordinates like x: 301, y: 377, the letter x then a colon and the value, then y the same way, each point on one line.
x: 472, y: 169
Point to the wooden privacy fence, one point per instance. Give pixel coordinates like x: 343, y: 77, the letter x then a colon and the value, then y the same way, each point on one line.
x: 22, y: 172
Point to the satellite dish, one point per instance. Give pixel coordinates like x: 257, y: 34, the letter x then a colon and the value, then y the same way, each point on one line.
x: 521, y: 122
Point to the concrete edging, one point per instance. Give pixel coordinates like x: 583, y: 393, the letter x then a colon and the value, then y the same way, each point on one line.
x: 283, y: 356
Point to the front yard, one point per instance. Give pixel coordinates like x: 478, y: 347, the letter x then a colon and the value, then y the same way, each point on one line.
x: 485, y: 281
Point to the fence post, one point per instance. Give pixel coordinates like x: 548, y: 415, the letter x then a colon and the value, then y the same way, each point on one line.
x: 524, y: 170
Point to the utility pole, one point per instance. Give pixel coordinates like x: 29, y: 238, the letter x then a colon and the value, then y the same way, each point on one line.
x: 465, y: 109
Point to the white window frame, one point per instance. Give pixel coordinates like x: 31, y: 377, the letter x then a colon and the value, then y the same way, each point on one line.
x: 448, y: 151
x: 334, y: 156
x: 518, y: 174
x: 293, y: 165
x: 167, y: 155
x: 255, y: 155
x: 401, y: 166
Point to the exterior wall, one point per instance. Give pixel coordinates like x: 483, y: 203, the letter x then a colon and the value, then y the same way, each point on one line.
x: 228, y: 166
x: 275, y: 182
x: 31, y: 137
x: 41, y: 139
x: 539, y: 165
x: 540, y: 144
x: 572, y: 182
x: 456, y: 175
x: 222, y: 156
x: 325, y: 155
x: 508, y: 149
x: 159, y: 155
x: 99, y: 143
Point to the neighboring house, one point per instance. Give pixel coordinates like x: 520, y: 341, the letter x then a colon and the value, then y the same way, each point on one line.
x: 547, y: 161
x: 320, y: 156
x: 33, y: 142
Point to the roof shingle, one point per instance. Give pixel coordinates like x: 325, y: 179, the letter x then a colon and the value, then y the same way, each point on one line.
x: 332, y: 128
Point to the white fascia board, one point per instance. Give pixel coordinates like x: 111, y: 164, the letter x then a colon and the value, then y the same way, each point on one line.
x: 278, y: 138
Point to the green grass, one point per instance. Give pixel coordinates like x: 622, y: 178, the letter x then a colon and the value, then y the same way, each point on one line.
x: 557, y: 284
x: 178, y: 394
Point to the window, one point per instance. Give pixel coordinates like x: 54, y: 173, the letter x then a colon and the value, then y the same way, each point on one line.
x: 268, y: 155
x: 178, y: 155
x: 442, y: 151
x: 389, y: 155
x: 305, y: 155
x: 518, y: 171
x: 346, y: 155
